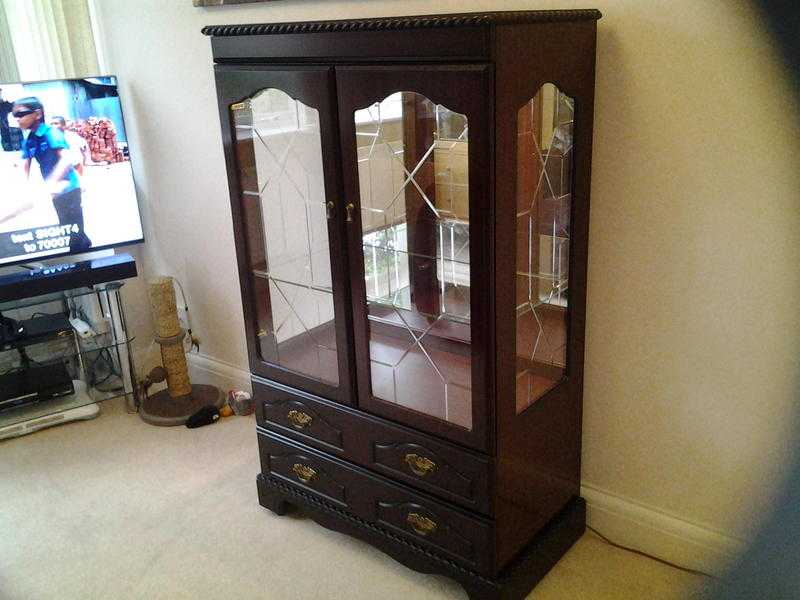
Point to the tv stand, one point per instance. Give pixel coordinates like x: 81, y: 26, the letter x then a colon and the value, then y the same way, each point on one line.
x: 42, y: 417
x: 64, y: 276
x: 54, y: 370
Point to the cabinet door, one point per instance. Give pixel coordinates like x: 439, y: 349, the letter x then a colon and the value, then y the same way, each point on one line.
x: 416, y: 170
x: 278, y: 127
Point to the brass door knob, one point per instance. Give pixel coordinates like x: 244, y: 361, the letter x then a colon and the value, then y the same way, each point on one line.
x: 304, y: 473
x: 420, y: 465
x: 350, y: 208
x: 329, y: 209
x: 421, y: 525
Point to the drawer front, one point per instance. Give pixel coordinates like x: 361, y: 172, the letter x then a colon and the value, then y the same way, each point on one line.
x: 434, y: 525
x: 452, y: 473
x: 300, y: 468
x: 299, y: 418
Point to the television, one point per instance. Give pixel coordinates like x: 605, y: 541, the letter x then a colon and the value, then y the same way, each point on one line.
x: 66, y: 182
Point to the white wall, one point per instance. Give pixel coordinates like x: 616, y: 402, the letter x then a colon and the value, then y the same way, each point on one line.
x: 692, y: 337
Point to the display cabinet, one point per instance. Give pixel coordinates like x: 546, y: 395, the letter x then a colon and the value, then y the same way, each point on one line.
x: 410, y: 199
x: 49, y: 369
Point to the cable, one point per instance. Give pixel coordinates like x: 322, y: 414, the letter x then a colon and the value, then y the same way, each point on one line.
x: 70, y: 303
x: 650, y: 556
x: 25, y: 360
x: 189, y: 336
x: 104, y: 355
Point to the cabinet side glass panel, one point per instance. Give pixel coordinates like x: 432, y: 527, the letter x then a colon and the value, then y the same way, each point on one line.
x: 544, y: 197
x: 413, y: 181
x: 278, y: 150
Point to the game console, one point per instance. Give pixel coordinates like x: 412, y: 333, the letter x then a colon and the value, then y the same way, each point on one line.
x: 77, y: 406
x: 34, y: 384
x: 43, y: 327
x: 15, y: 334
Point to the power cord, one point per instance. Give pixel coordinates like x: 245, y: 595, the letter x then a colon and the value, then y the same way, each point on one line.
x: 25, y: 360
x: 650, y: 556
x: 193, y: 343
x: 104, y: 356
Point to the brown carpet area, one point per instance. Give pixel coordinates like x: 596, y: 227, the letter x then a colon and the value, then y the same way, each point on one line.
x: 115, y: 508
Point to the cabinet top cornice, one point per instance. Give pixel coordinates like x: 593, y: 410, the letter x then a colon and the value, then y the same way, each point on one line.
x: 400, y: 23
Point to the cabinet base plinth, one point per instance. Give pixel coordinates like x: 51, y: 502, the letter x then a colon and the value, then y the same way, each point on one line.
x: 514, y: 583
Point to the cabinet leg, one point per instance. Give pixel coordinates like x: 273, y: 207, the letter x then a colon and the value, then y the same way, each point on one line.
x: 270, y: 499
x: 482, y: 592
x: 276, y: 504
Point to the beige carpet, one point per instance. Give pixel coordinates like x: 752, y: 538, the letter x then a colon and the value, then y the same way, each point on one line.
x: 117, y: 509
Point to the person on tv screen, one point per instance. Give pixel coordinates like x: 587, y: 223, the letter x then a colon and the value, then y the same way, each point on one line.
x: 48, y: 146
x: 78, y: 148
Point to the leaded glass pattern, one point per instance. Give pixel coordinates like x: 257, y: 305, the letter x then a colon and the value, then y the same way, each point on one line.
x: 413, y: 178
x: 279, y: 155
x: 544, y: 197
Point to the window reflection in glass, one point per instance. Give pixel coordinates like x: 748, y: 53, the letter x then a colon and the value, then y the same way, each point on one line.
x: 413, y: 178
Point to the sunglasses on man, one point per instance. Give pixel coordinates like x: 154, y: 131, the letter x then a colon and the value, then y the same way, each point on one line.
x: 22, y: 113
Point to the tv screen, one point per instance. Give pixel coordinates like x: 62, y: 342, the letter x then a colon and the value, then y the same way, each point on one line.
x: 66, y: 183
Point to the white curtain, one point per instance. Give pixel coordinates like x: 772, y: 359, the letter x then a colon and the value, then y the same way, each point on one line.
x: 8, y: 60
x: 51, y: 39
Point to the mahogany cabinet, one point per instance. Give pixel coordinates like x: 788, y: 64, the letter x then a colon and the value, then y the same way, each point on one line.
x: 410, y: 199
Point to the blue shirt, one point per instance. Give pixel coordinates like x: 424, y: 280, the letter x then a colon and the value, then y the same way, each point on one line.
x: 42, y: 145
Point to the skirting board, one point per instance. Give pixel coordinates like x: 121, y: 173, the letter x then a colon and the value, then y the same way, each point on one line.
x: 650, y: 530
x: 204, y: 369
x: 622, y: 520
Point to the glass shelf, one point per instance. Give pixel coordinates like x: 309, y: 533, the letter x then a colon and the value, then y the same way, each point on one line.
x: 85, y: 395
x: 72, y: 346
x: 100, y: 366
x: 96, y: 373
x: 59, y: 296
x: 277, y: 279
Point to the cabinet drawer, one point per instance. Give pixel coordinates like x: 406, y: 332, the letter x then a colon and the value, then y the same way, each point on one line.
x: 398, y: 509
x: 403, y: 454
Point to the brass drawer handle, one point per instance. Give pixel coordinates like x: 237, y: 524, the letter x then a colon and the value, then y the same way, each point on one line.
x: 299, y: 419
x: 304, y: 473
x: 421, y: 525
x: 420, y: 465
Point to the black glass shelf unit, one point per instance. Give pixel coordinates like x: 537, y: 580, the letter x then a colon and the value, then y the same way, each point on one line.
x: 82, y: 338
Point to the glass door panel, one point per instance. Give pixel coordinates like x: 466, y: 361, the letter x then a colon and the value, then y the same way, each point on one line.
x: 283, y: 188
x: 413, y: 175
x: 284, y: 179
x: 544, y: 198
